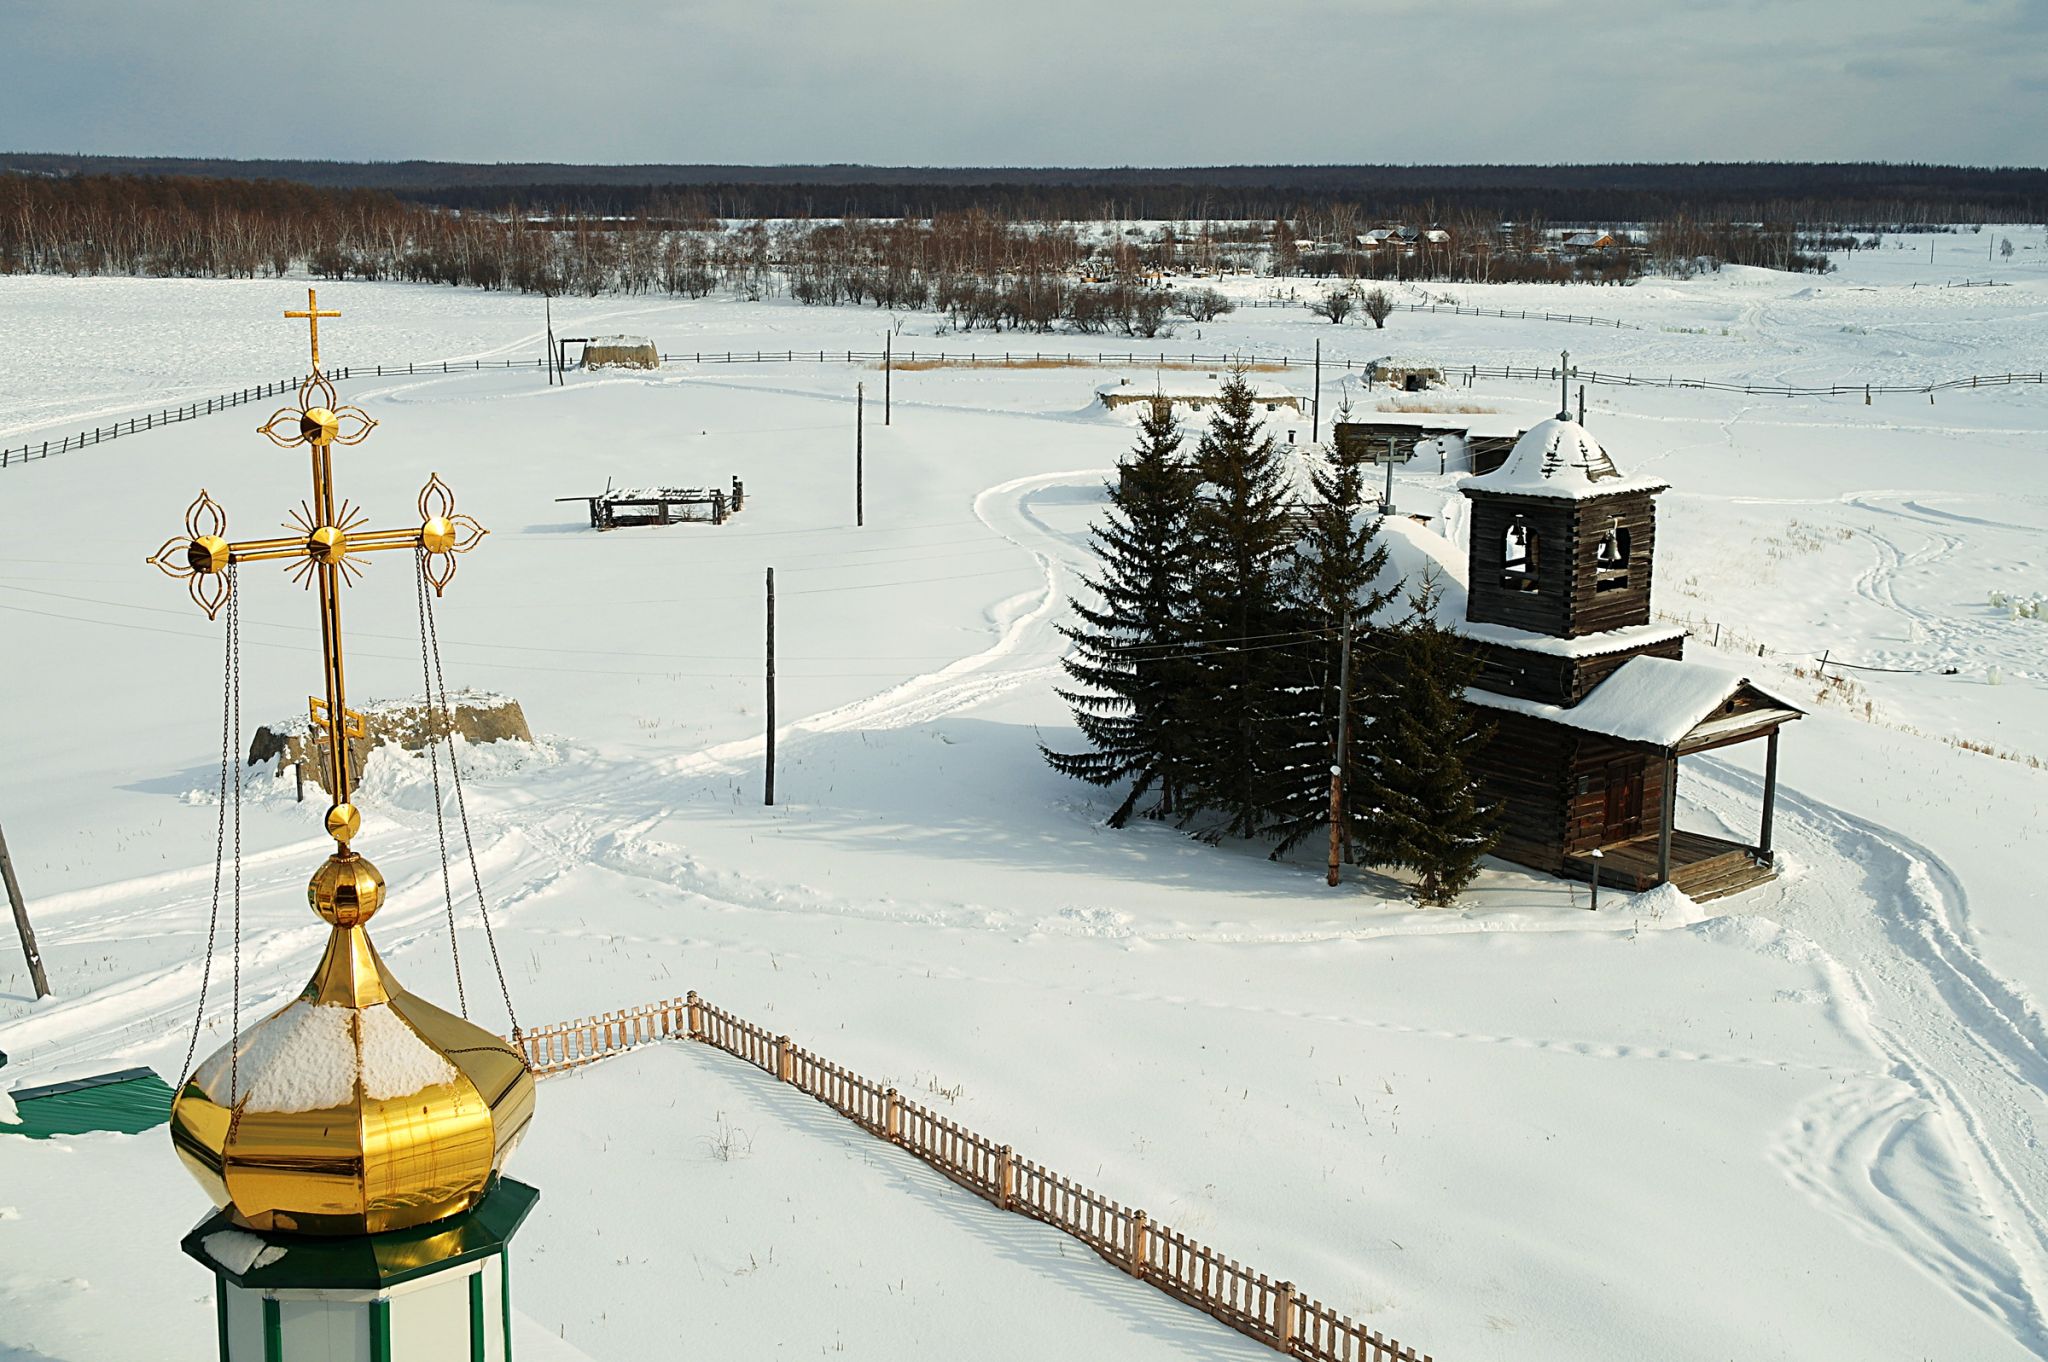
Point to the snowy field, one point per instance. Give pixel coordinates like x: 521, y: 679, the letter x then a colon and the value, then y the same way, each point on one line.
x: 1800, y: 1123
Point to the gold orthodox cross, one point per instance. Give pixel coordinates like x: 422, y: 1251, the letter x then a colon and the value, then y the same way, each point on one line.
x: 326, y: 538
x: 311, y: 316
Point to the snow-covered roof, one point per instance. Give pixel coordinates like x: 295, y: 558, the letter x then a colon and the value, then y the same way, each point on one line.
x: 1558, y: 458
x: 1176, y: 388
x: 1485, y: 425
x: 1589, y: 645
x: 1654, y: 700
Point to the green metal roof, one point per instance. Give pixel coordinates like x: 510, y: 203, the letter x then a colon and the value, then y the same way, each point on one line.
x: 128, y: 1102
x: 373, y: 1262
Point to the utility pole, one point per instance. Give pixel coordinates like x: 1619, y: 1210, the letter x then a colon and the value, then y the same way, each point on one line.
x: 21, y: 923
x: 860, y: 427
x: 768, y: 780
x: 1340, y: 758
x: 1315, y: 433
x: 888, y: 373
x: 551, y: 364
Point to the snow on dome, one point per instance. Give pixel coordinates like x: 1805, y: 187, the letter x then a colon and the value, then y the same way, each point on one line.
x: 306, y: 1058
x: 396, y: 1062
x: 1558, y: 458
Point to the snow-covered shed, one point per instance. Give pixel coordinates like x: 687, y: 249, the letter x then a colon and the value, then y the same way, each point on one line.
x: 620, y: 352
x: 1191, y: 393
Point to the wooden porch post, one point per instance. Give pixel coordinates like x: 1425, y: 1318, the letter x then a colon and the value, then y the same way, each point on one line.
x: 1669, y: 815
x: 1763, y: 845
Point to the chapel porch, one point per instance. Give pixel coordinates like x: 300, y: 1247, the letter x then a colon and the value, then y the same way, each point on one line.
x: 1703, y: 867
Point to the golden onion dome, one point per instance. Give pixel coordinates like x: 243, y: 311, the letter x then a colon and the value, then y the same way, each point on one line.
x: 356, y: 1108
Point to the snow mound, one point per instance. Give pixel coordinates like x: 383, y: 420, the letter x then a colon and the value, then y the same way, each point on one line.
x: 239, y: 1251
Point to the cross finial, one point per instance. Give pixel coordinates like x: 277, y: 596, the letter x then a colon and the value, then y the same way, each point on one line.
x: 311, y: 316
x: 1564, y: 385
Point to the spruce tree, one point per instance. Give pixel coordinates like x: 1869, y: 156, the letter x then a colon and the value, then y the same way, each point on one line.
x: 1128, y: 649
x: 1335, y: 567
x: 1431, y: 810
x: 1250, y: 662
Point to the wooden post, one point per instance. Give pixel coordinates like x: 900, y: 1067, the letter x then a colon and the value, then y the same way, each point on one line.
x: 1286, y: 1318
x: 860, y: 399
x: 1339, y: 758
x: 1670, y: 813
x: 299, y: 769
x: 21, y: 923
x: 1006, y: 1178
x: 1763, y: 843
x: 1316, y: 421
x: 892, y: 1116
x: 785, y: 1062
x: 768, y: 776
x: 1141, y: 1245
x: 696, y: 1011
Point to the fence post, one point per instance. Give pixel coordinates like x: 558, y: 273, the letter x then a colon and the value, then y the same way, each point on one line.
x: 892, y: 1116
x: 1006, y: 1179
x: 785, y: 1063
x: 1286, y: 1318
x: 1140, y: 1264
x: 696, y: 1016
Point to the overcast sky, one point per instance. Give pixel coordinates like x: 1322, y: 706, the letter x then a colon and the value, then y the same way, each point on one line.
x: 1031, y: 82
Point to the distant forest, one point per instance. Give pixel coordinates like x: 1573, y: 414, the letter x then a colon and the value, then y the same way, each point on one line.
x: 1004, y: 257
x: 1853, y: 195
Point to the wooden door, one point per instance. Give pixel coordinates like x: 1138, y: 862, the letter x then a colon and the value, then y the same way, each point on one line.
x: 1624, y: 813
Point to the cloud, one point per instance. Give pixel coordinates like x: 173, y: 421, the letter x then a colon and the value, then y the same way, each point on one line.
x: 1172, y: 82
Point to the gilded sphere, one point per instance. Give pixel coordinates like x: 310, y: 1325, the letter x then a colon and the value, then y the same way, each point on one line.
x: 344, y: 821
x: 327, y: 544
x: 346, y: 890
x: 319, y: 426
x: 437, y: 535
x: 208, y: 553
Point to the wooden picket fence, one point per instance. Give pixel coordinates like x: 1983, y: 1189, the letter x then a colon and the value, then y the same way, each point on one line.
x: 1276, y: 1313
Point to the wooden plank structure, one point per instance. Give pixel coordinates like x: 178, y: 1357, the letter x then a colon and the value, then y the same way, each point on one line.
x: 1275, y: 1313
x: 616, y: 507
x: 1592, y: 705
x: 1488, y: 439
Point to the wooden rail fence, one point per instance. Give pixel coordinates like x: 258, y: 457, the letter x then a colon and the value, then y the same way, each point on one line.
x: 1469, y: 373
x: 1275, y: 1313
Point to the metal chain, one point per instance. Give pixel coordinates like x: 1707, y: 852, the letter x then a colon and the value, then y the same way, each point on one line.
x: 235, y: 752
x: 462, y: 812
x: 434, y: 758
x: 220, y: 838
